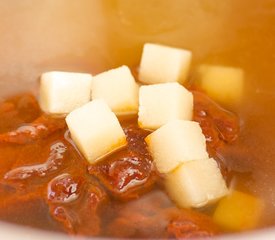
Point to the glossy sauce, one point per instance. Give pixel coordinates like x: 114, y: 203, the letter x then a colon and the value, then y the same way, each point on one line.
x: 47, y: 172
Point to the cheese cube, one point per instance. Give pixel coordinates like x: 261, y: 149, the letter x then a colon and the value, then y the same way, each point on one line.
x: 160, y: 64
x: 175, y: 143
x: 118, y: 88
x: 95, y: 130
x: 223, y: 84
x: 196, y: 183
x: 238, y: 211
x: 161, y: 103
x: 62, y: 92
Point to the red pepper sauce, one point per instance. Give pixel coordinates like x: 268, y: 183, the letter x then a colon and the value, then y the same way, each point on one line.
x: 46, y: 183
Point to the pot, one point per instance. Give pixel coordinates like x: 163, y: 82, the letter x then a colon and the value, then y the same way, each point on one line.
x: 95, y: 35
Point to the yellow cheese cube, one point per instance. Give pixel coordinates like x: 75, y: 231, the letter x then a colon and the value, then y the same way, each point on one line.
x: 238, y: 211
x: 160, y: 64
x: 95, y: 130
x: 161, y: 103
x: 196, y: 183
x: 176, y: 142
x: 223, y: 84
x: 118, y: 88
x: 62, y: 92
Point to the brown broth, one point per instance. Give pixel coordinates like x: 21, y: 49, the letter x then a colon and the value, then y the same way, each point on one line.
x: 45, y: 176
x: 96, y: 35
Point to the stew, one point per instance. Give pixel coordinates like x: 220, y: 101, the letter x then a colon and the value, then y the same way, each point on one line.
x: 44, y: 176
x: 46, y: 183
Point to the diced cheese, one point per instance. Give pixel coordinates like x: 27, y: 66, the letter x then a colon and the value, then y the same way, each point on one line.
x: 196, y: 183
x: 160, y: 64
x: 161, y: 103
x: 95, y: 130
x: 62, y: 92
x: 223, y: 84
x: 175, y: 143
x: 238, y: 211
x: 118, y: 88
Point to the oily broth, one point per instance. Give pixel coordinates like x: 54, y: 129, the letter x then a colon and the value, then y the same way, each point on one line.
x: 233, y: 33
x: 96, y: 35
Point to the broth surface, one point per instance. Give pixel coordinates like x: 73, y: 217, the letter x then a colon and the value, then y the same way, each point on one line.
x: 44, y: 176
x: 92, y: 36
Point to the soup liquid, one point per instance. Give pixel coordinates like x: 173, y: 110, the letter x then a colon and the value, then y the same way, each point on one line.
x: 95, y: 35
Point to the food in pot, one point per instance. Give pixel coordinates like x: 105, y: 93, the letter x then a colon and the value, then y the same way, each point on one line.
x: 101, y: 170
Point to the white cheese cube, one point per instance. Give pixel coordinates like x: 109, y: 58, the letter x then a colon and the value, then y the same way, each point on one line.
x: 62, y: 92
x: 161, y: 103
x: 95, y: 130
x: 175, y: 143
x: 160, y: 64
x: 196, y: 183
x: 223, y: 84
x: 118, y: 88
